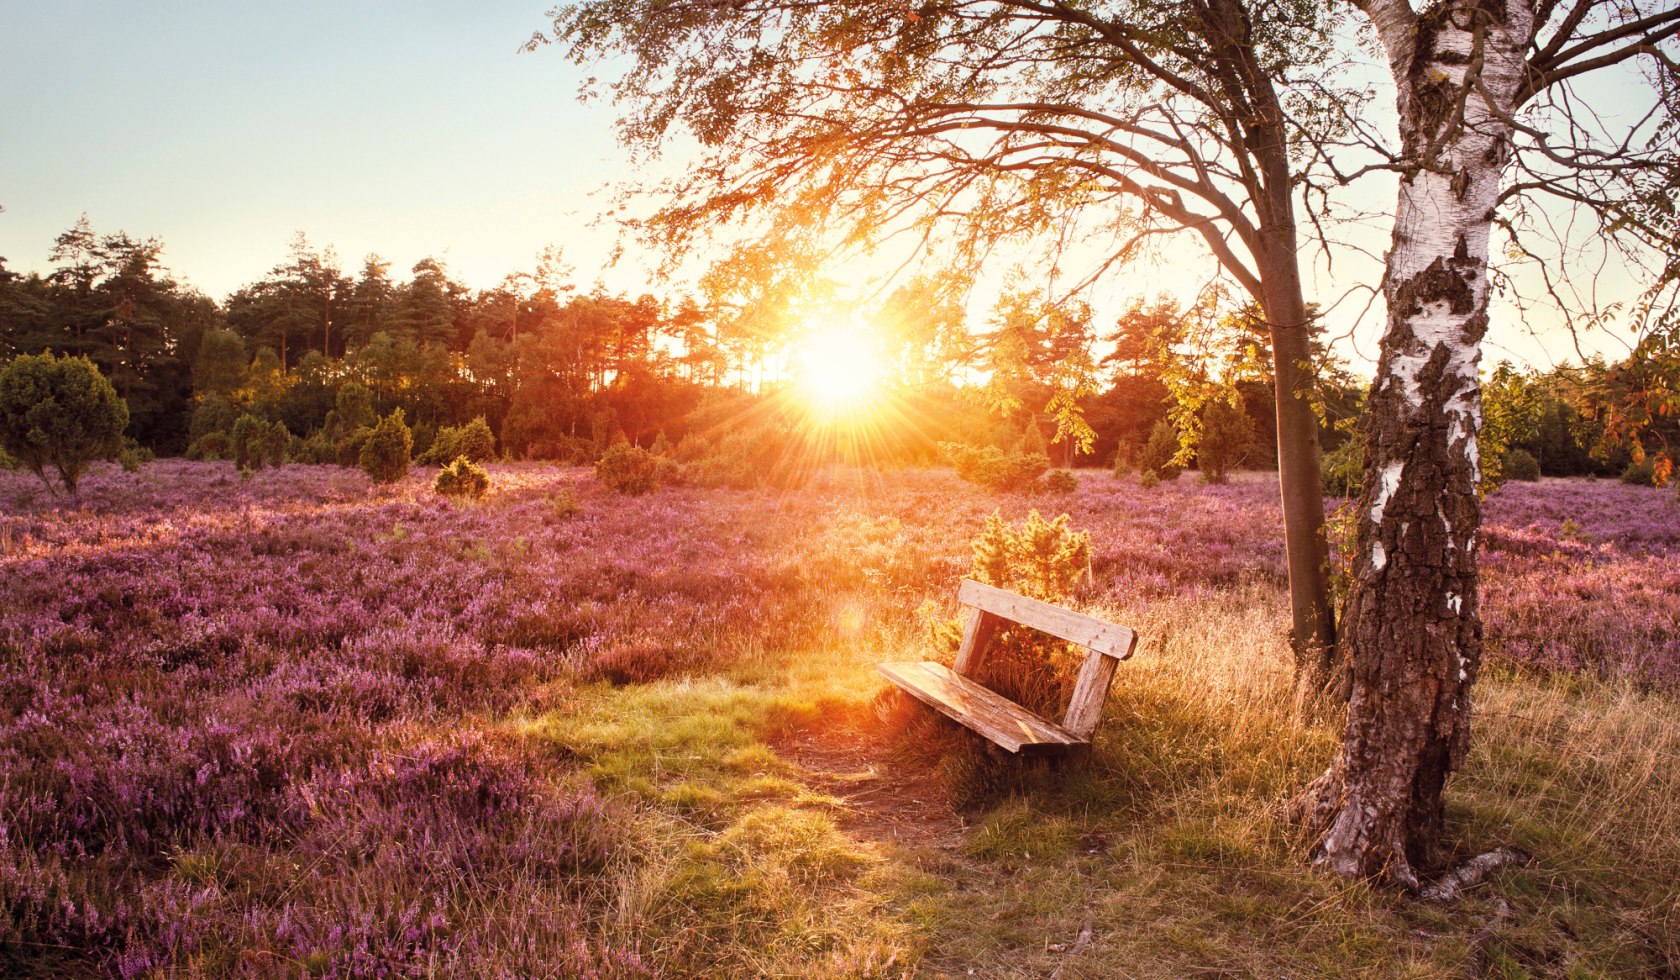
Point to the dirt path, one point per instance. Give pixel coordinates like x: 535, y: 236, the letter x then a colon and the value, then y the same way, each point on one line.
x: 888, y: 798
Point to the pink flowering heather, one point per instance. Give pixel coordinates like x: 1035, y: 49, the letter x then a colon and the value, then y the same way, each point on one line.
x: 252, y: 726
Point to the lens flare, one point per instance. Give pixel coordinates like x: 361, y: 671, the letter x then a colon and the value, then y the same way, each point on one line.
x: 839, y: 368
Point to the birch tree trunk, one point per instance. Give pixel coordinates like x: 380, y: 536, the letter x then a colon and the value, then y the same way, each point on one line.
x: 1411, y: 632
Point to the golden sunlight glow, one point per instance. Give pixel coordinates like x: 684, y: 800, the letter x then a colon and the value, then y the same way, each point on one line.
x: 839, y: 367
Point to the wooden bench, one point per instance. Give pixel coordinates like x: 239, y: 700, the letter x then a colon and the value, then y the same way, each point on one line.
x: 954, y: 693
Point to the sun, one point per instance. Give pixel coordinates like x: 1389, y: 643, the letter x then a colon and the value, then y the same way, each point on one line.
x: 838, y: 367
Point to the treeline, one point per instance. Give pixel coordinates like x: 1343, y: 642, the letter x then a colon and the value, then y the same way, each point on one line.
x: 556, y: 373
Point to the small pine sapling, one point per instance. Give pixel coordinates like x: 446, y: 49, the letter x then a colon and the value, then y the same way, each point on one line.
x: 1060, y: 481
x: 384, y: 455
x: 462, y: 479
x: 247, y: 442
x: 1159, y: 452
x: 275, y: 442
x: 1226, y: 433
x: 1043, y: 560
x: 628, y: 469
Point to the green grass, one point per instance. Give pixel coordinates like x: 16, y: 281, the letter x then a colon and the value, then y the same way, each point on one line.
x: 1169, y: 841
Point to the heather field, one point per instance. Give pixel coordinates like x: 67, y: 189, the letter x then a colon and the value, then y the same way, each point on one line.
x: 294, y: 725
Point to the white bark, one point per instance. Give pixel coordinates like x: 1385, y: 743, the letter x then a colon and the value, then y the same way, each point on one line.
x: 1412, y: 628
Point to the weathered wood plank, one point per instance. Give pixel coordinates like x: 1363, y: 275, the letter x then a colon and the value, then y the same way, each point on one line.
x: 1109, y: 639
x: 1090, y: 691
x: 977, y: 633
x: 985, y: 711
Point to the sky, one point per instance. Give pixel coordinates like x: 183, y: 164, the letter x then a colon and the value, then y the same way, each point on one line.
x: 407, y: 128
x: 403, y: 127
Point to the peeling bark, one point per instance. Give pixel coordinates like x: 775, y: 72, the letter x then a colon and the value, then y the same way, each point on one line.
x: 1411, y: 632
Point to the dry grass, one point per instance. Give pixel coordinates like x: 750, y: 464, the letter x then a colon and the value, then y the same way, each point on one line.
x: 1169, y: 842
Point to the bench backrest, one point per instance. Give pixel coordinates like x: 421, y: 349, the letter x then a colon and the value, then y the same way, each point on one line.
x: 1109, y: 644
x: 1064, y: 624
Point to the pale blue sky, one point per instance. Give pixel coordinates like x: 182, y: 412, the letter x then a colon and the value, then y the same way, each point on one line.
x: 403, y: 127
x: 406, y: 127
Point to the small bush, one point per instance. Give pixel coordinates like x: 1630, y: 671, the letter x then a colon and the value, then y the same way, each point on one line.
x: 564, y: 504
x: 276, y: 444
x: 315, y: 449
x: 1060, y: 481
x: 214, y: 413
x: 628, y: 469
x: 1032, y: 441
x: 1125, y: 457
x: 210, y: 447
x: 59, y: 413
x: 473, y: 440
x: 462, y: 479
x: 1226, y: 433
x: 132, y: 457
x: 246, y: 441
x: 1520, y: 464
x: 1149, y: 479
x: 1157, y: 454
x: 1044, y: 560
x: 1641, y: 474
x: 1341, y: 472
x: 353, y: 408
x: 995, y: 469
x: 384, y: 455
x: 765, y: 454
x: 348, y: 450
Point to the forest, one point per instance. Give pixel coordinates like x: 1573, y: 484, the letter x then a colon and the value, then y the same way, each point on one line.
x: 560, y: 374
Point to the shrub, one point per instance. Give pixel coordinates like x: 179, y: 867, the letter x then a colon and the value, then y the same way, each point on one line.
x: 1226, y: 433
x: 215, y: 413
x: 1149, y: 479
x: 563, y: 504
x: 442, y: 449
x: 132, y: 457
x: 1341, y: 472
x: 246, y: 442
x: 1157, y: 454
x: 59, y: 412
x: 995, y: 469
x: 315, y: 449
x: 1125, y: 457
x: 462, y: 479
x: 628, y: 469
x: 1642, y: 473
x: 384, y: 455
x: 1032, y: 441
x: 766, y: 454
x: 1044, y: 560
x: 210, y: 447
x: 1520, y: 464
x: 473, y: 440
x: 275, y: 443
x: 348, y: 450
x: 1060, y: 481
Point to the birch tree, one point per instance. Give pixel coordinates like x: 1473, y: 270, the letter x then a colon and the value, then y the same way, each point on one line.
x: 1032, y: 120
x: 1488, y: 116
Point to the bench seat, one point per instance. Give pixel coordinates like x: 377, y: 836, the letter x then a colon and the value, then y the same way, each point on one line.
x: 953, y: 692
x: 982, y: 709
